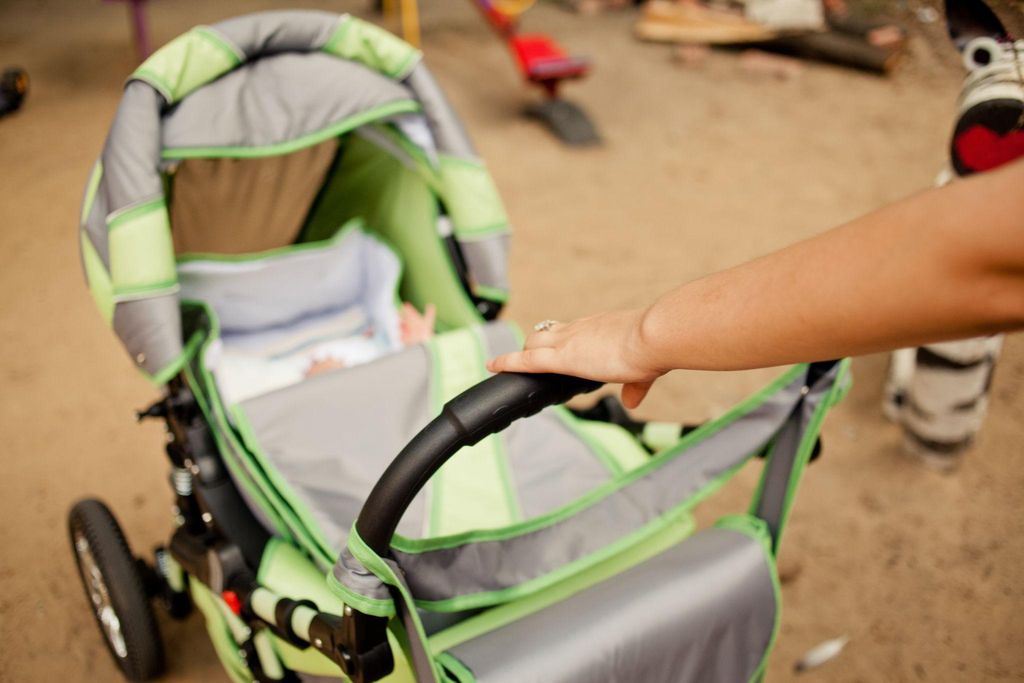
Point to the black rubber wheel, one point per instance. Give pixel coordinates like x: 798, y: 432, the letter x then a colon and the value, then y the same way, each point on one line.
x: 115, y: 590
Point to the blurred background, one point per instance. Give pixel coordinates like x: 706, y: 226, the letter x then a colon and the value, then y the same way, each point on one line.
x: 707, y: 157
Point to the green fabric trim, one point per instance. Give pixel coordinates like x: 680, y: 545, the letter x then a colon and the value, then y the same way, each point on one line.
x: 664, y: 538
x: 358, y: 601
x: 141, y: 251
x: 473, y: 489
x: 385, y: 573
x: 619, y: 443
x: 472, y: 198
x: 397, y: 204
x: 164, y: 375
x: 279, y: 483
x: 456, y: 668
x: 289, y: 146
x: 372, y: 46
x: 187, y: 63
x: 491, y: 293
x: 266, y: 495
x: 807, y: 443
x: 488, y: 598
x: 100, y: 287
x: 758, y: 530
x: 596, y: 446
x: 706, y: 430
x: 661, y: 435
x: 213, y: 414
x: 223, y: 642
x: 287, y: 250
x: 91, y: 188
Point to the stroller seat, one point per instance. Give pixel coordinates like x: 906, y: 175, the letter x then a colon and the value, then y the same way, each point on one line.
x: 707, y: 613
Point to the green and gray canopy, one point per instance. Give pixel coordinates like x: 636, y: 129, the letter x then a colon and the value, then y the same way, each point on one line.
x: 228, y: 140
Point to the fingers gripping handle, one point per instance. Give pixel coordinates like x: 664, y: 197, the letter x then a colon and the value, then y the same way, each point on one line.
x: 494, y: 404
x: 484, y: 409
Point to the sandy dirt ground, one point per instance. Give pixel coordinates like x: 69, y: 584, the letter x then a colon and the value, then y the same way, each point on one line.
x: 701, y: 169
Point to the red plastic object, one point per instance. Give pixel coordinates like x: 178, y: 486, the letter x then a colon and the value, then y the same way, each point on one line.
x: 232, y: 601
x: 541, y: 59
x: 982, y: 149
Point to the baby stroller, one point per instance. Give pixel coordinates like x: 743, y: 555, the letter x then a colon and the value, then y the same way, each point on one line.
x: 273, y: 186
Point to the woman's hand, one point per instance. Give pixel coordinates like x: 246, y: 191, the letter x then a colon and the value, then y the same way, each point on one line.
x: 607, y: 347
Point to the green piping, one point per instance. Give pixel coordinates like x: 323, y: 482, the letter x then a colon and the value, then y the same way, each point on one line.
x: 706, y: 430
x: 488, y: 598
x: 371, y: 606
x: 136, y: 211
x: 491, y: 293
x: 145, y: 291
x: 281, y: 252
x: 301, y: 142
x: 91, y: 189
x: 571, y: 422
x: 383, y: 571
x: 501, y: 228
x: 238, y: 473
x: 219, y: 41
x: 454, y: 666
x: 510, y: 612
x: 278, y: 482
x: 271, y: 496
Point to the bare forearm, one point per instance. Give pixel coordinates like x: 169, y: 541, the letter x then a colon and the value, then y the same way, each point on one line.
x: 943, y: 264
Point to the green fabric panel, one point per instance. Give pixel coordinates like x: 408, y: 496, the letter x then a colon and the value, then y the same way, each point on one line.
x: 619, y: 443
x: 141, y: 251
x: 286, y: 570
x: 397, y: 204
x: 373, y: 47
x: 96, y: 275
x: 661, y: 435
x: 677, y: 527
x: 472, y: 198
x: 188, y: 62
x: 289, y: 146
x: 91, y: 188
x: 216, y: 625
x: 472, y: 490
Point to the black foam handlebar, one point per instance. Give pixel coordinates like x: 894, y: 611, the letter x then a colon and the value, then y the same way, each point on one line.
x: 482, y: 410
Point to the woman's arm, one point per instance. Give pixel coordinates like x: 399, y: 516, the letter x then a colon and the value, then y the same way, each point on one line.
x: 943, y: 264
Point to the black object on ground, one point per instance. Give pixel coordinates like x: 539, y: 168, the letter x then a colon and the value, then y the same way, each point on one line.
x: 13, y: 88
x: 567, y: 121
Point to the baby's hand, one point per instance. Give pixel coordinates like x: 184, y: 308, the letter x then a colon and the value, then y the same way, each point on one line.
x: 323, y: 365
x: 416, y: 328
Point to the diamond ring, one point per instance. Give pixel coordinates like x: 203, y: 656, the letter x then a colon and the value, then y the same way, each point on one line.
x: 545, y: 325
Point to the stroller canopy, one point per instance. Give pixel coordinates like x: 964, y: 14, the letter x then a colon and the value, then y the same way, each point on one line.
x: 257, y: 108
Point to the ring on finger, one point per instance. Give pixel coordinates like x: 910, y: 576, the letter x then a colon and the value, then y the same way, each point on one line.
x: 545, y: 325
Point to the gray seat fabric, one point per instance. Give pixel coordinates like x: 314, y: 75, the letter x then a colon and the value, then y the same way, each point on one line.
x: 331, y: 436
x: 703, y: 611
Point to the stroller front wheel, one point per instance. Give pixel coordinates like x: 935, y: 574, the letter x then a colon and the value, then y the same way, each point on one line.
x: 116, y: 590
